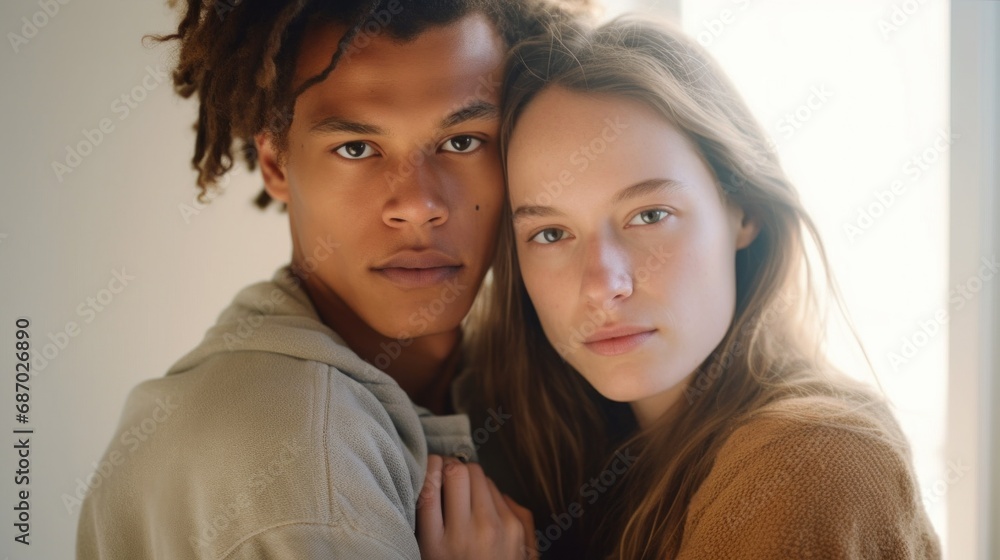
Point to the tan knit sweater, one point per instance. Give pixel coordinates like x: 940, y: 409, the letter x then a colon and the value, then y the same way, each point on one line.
x: 810, y: 479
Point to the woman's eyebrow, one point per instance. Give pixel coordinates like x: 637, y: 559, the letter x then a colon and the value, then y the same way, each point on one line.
x: 534, y: 211
x: 642, y: 188
x: 649, y: 186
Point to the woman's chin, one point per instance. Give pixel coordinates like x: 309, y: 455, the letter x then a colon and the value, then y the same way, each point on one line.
x: 625, y: 388
x: 633, y: 384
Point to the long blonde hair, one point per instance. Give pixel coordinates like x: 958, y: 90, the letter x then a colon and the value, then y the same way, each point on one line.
x: 562, y: 430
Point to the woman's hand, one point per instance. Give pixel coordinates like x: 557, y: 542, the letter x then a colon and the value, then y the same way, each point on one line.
x: 462, y: 515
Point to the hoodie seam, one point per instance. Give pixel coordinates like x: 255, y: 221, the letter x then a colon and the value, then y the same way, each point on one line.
x: 334, y: 510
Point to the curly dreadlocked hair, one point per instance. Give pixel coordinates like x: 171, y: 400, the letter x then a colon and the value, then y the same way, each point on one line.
x: 239, y: 57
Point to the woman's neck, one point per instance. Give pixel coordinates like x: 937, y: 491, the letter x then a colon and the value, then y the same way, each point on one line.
x: 648, y: 410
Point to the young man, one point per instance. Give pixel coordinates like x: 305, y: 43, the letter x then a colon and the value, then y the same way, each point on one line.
x: 300, y: 426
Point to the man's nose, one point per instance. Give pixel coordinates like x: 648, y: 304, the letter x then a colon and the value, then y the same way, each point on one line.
x: 416, y: 198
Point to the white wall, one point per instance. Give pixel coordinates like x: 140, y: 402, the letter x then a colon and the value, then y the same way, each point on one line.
x: 60, y: 240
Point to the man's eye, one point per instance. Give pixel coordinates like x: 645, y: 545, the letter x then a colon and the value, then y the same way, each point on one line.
x: 548, y: 236
x: 355, y: 150
x: 461, y: 144
x: 647, y: 217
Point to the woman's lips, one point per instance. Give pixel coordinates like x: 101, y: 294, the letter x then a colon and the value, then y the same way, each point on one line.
x: 616, y: 345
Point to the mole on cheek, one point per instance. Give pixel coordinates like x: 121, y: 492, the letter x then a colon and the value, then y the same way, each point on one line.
x: 477, y: 207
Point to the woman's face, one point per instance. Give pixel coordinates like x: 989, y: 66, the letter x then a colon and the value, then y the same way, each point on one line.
x: 626, y: 245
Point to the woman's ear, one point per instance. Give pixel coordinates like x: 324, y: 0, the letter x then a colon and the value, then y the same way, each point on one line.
x: 272, y: 167
x: 746, y: 230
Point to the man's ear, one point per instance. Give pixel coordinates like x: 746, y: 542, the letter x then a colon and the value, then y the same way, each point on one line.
x: 272, y: 167
x: 747, y: 230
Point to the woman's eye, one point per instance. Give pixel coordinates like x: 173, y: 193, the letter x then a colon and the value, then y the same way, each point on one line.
x: 547, y: 236
x: 355, y: 150
x: 461, y: 144
x: 648, y: 217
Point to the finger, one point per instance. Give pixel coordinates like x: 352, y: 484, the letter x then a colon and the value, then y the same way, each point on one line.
x: 430, y: 520
x: 523, y: 531
x: 456, y: 493
x: 497, y: 497
x: 485, y: 501
x: 527, y: 521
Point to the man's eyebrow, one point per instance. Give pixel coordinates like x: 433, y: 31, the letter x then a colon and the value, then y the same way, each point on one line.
x: 334, y: 124
x: 649, y: 186
x: 478, y: 109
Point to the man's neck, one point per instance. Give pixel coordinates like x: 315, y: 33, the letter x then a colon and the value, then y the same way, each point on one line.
x: 424, y: 366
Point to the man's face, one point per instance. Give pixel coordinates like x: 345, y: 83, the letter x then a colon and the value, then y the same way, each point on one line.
x: 392, y: 173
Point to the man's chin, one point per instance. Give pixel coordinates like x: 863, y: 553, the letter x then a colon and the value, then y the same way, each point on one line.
x: 421, y: 321
x: 434, y: 309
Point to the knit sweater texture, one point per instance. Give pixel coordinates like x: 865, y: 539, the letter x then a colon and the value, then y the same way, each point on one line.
x: 811, y: 478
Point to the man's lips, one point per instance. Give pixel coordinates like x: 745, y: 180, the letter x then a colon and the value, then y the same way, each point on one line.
x: 612, y: 341
x: 418, y: 269
x: 419, y: 277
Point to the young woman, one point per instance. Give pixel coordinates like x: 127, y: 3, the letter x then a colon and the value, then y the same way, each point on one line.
x: 653, y: 326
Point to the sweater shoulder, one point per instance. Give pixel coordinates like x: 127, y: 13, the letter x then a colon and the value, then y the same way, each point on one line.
x: 814, y: 442
x: 813, y: 475
x: 798, y: 425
